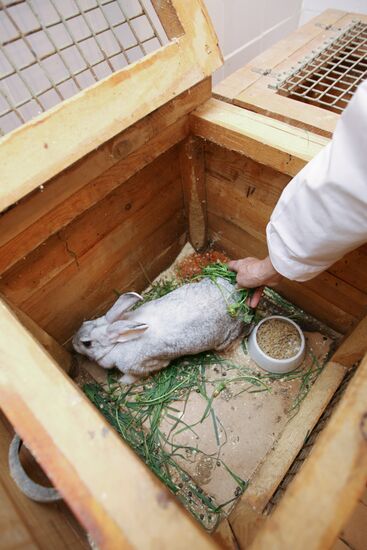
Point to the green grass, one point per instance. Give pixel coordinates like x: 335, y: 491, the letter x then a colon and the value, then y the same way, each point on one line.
x: 137, y: 411
x: 240, y: 308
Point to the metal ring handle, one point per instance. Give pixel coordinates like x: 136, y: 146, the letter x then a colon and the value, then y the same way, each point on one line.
x: 29, y: 488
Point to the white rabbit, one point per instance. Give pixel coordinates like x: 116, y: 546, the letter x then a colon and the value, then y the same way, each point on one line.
x: 191, y: 319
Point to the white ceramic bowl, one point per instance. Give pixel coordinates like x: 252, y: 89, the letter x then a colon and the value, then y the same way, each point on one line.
x: 269, y: 363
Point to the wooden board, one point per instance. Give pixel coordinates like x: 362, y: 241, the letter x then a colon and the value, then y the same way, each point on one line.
x: 241, y: 195
x: 325, y: 491
x: 192, y: 159
x: 253, y: 87
x: 85, y: 183
x: 113, y: 246
x: 268, y: 141
x: 26, y: 524
x: 37, y: 151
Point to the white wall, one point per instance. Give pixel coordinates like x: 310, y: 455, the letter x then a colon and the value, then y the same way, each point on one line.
x: 245, y: 28
x: 311, y: 8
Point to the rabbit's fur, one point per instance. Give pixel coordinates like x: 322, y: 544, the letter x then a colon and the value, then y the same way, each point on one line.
x: 191, y: 319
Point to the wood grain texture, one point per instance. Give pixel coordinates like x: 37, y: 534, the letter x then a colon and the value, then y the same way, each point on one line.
x: 112, y: 493
x: 71, y: 193
x: 192, y: 159
x: 64, y: 248
x: 26, y: 524
x: 57, y: 352
x: 42, y: 148
x: 325, y: 491
x: 103, y: 252
x: 268, y: 141
x: 168, y: 18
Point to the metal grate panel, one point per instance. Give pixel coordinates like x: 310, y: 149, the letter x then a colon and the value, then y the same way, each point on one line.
x: 330, y: 79
x: 50, y: 50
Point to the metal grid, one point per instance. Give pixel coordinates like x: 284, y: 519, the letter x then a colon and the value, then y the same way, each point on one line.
x: 330, y: 79
x: 51, y: 49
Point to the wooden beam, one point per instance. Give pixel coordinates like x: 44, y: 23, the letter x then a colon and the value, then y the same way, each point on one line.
x: 57, y: 352
x: 193, y: 181
x: 168, y: 18
x: 322, y: 496
x: 37, y: 151
x: 113, y: 494
x: 267, y: 141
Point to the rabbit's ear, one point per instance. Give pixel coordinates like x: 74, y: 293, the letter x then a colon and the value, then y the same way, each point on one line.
x: 123, y: 304
x: 122, y: 331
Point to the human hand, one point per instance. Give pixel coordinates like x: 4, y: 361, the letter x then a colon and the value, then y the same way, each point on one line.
x: 255, y: 273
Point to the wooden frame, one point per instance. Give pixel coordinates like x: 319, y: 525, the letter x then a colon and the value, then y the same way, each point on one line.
x: 109, y: 489
x: 253, y: 86
x: 50, y: 142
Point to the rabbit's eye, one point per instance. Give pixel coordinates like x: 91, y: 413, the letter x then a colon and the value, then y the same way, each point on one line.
x: 87, y: 343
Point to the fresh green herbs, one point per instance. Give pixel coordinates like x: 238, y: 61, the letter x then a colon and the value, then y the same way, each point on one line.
x: 239, y: 308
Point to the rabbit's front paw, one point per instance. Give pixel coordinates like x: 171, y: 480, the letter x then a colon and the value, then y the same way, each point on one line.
x: 128, y: 379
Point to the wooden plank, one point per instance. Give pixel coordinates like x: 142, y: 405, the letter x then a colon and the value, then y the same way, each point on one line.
x: 296, y: 113
x: 253, y: 180
x: 77, y: 290
x: 354, y: 347
x: 270, y: 142
x: 354, y: 533
x: 353, y: 268
x: 231, y: 87
x: 37, y: 151
x: 168, y: 18
x: 26, y: 524
x: 325, y: 491
x: 225, y: 537
x: 194, y: 190
x: 70, y: 201
x: 246, y: 530
x: 68, y: 245
x: 92, y: 488
x: 57, y: 352
x: 70, y: 181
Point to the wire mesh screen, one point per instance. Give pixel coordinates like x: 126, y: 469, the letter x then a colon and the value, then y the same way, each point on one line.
x: 52, y: 49
x: 330, y: 79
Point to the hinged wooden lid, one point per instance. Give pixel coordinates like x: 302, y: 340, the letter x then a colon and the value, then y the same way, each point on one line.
x: 35, y: 152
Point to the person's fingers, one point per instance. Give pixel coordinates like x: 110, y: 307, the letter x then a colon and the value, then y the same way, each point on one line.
x: 242, y: 280
x: 256, y: 297
x: 233, y: 265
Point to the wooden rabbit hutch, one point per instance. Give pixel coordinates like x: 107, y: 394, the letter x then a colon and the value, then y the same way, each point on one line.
x: 101, y: 193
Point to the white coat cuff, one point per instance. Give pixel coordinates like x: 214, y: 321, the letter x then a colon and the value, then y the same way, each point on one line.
x: 281, y: 259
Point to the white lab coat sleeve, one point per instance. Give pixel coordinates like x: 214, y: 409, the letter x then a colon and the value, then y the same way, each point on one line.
x: 322, y: 213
